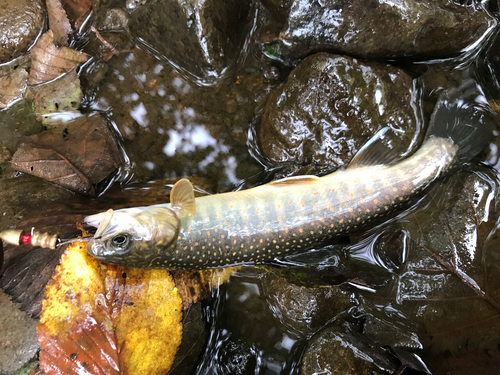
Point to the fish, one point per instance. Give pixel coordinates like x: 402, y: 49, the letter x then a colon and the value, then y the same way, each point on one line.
x: 295, y: 214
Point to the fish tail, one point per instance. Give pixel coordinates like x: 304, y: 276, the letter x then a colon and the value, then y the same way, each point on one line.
x: 463, y: 116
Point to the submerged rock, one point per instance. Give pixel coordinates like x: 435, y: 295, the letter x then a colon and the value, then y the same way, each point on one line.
x: 201, y: 37
x: 331, y: 105
x: 417, y: 29
x: 341, y: 349
x: 303, y: 310
x: 20, y: 23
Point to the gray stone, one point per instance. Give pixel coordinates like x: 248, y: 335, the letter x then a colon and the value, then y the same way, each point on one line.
x: 20, y: 23
x: 331, y: 105
x: 18, y: 342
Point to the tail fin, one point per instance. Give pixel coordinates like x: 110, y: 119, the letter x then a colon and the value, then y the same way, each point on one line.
x: 463, y: 116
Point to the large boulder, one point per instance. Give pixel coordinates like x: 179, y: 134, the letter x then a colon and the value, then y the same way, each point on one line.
x: 331, y: 105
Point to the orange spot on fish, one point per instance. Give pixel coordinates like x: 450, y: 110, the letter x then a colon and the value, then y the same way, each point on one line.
x: 322, y: 219
x: 330, y: 207
x: 216, y: 216
x: 260, y: 240
x: 300, y: 230
x: 350, y: 209
x: 386, y: 197
x: 196, y: 244
x: 269, y: 230
x: 341, y: 220
x: 302, y: 203
x: 404, y: 188
x: 367, y: 191
x: 221, y: 236
x: 265, y: 201
x: 316, y: 193
x: 208, y: 234
x: 333, y: 190
x: 257, y: 212
x: 352, y: 195
x: 189, y: 229
x: 279, y: 206
x: 227, y: 223
x: 395, y: 189
x: 231, y: 206
x: 279, y: 217
x: 375, y: 201
x: 286, y: 230
x: 245, y: 217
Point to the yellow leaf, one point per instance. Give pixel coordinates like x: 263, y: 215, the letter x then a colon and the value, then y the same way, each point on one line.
x: 108, y: 319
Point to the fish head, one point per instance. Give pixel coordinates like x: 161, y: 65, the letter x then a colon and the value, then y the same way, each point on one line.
x: 134, y: 237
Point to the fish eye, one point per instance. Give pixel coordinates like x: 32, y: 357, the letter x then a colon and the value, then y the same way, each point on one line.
x: 121, y: 243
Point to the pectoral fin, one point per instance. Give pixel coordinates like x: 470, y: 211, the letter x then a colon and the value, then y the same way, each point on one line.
x: 182, y: 196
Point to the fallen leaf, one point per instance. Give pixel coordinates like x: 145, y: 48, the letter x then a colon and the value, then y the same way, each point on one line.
x: 75, y: 156
x: 49, y: 61
x: 58, y: 22
x: 62, y: 94
x: 77, y: 10
x: 12, y: 87
x: 196, y: 285
x: 107, y: 319
x: 51, y: 166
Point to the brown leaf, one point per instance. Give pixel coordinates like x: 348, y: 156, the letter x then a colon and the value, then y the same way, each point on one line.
x: 12, y: 87
x: 77, y: 155
x: 77, y: 10
x: 58, y: 22
x: 107, y: 319
x: 196, y: 285
x: 51, y: 166
x: 49, y: 61
x: 87, y: 143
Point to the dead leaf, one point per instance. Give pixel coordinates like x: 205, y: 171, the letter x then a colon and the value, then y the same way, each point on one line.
x: 196, y: 285
x: 77, y: 155
x: 12, y: 87
x: 107, y: 319
x: 51, y: 166
x: 60, y: 95
x: 49, y: 61
x: 77, y: 10
x: 58, y: 22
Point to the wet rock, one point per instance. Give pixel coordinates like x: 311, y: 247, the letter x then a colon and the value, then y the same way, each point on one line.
x: 416, y: 29
x: 202, y: 37
x: 341, y: 349
x: 303, y: 310
x: 20, y: 23
x: 18, y: 342
x: 115, y: 19
x: 331, y: 105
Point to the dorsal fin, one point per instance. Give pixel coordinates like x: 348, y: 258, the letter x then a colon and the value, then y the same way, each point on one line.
x: 182, y: 196
x: 294, y: 180
x: 378, y: 150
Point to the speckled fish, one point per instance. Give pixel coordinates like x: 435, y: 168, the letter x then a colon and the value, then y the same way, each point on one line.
x: 292, y: 215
